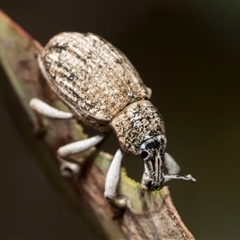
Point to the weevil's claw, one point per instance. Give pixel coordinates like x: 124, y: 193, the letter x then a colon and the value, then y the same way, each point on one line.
x: 190, y: 178
x: 120, y: 202
x: 70, y: 170
x: 119, y: 205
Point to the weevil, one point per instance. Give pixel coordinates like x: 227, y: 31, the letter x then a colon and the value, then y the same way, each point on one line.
x: 103, y: 90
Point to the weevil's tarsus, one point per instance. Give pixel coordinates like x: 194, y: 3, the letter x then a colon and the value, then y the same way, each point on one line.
x: 186, y: 178
x: 173, y: 169
x: 119, y: 202
x: 112, y: 179
x: 69, y: 169
x: 43, y: 108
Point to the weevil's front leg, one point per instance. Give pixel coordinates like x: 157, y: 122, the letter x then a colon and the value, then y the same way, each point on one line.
x: 112, y: 180
x: 170, y: 164
x: 70, y: 169
x: 173, y: 169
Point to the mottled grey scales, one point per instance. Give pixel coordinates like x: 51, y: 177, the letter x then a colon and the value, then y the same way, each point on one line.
x: 97, y: 80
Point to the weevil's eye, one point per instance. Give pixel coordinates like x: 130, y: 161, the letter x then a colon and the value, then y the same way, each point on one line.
x: 144, y: 154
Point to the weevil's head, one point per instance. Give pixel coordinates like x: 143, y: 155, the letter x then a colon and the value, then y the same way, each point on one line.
x: 152, y: 152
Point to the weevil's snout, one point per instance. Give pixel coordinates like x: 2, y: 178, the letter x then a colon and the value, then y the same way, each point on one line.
x: 153, y: 173
x: 152, y: 152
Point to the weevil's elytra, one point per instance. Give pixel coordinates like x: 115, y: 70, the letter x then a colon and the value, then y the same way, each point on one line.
x: 97, y: 80
x: 103, y: 90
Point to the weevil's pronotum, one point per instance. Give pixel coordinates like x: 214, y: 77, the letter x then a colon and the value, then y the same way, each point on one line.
x: 102, y: 89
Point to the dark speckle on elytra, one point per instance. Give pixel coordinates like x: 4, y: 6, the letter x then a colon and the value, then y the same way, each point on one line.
x: 71, y: 76
x: 118, y: 61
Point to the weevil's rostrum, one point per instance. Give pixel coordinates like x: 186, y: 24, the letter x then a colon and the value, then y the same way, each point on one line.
x: 103, y: 90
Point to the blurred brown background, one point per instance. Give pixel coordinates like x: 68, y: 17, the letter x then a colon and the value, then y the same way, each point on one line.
x: 189, y: 54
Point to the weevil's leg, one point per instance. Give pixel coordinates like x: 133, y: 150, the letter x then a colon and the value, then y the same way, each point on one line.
x: 185, y: 177
x: 145, y: 178
x: 79, y: 146
x: 112, y: 179
x: 70, y: 169
x: 149, y: 92
x: 170, y: 164
x: 43, y: 108
x: 173, y: 169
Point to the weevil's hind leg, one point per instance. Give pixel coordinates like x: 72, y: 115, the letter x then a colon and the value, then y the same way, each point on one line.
x: 173, y: 169
x: 44, y: 109
x: 112, y: 180
x: 70, y: 169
